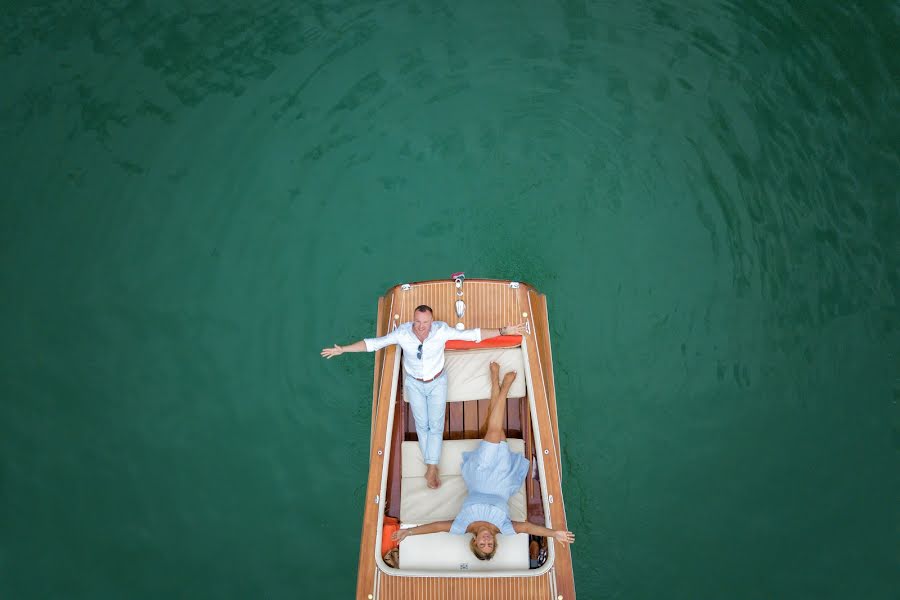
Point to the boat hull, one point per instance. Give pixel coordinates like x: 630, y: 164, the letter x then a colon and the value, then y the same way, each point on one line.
x: 489, y: 304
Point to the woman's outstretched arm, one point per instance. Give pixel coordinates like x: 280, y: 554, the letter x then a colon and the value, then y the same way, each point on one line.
x: 560, y: 535
x: 436, y: 527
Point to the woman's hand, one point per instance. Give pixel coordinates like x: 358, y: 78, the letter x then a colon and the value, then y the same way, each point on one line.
x: 399, y: 535
x: 330, y: 352
x: 563, y: 536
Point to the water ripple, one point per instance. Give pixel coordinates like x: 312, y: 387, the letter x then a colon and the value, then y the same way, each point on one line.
x: 199, y: 198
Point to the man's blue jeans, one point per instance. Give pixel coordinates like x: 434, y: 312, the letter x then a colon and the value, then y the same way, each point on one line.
x: 428, y: 402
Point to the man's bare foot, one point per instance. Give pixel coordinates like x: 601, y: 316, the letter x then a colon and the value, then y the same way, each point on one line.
x: 432, y: 477
x: 495, y: 371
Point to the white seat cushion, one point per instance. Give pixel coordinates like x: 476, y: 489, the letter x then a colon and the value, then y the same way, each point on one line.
x: 469, y: 376
x: 446, y: 552
x: 420, y: 504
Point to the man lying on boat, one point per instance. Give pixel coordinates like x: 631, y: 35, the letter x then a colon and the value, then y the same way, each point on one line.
x: 425, y: 384
x: 492, y: 474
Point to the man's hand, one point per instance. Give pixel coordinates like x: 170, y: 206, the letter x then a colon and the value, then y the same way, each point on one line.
x: 514, y: 329
x: 399, y: 535
x: 330, y: 352
x: 565, y: 537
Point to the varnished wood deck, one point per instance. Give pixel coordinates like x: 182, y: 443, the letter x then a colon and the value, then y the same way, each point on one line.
x: 488, y: 304
x: 447, y: 588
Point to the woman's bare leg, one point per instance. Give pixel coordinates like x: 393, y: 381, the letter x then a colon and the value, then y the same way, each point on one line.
x: 495, y: 379
x: 497, y: 412
x: 495, y: 390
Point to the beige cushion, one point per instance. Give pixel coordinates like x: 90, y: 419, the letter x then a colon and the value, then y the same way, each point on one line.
x: 447, y: 552
x: 421, y: 504
x: 469, y: 376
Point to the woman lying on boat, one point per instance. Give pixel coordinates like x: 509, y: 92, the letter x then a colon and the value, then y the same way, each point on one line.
x: 492, y: 474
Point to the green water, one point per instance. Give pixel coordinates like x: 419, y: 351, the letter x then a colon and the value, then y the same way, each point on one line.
x: 197, y: 198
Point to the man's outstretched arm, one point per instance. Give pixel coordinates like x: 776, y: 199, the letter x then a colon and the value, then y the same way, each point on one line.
x: 366, y: 345
x: 359, y: 346
x: 487, y: 334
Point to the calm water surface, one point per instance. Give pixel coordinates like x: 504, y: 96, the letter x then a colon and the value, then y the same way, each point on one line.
x: 196, y: 197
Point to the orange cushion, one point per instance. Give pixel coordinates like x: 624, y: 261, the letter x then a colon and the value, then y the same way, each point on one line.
x: 500, y: 341
x: 390, y: 526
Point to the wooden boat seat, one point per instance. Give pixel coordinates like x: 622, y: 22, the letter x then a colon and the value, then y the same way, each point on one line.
x: 420, y: 504
x: 468, y: 372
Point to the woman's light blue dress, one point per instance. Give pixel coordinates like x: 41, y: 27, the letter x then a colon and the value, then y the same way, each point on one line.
x: 493, y: 474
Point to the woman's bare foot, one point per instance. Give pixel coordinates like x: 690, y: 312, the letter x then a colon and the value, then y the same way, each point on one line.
x: 495, y: 371
x: 509, y: 378
x: 432, y: 477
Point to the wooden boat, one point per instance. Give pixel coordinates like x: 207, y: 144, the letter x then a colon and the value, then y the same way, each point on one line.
x: 531, y: 417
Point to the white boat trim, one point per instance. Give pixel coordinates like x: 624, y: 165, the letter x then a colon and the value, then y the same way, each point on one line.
x: 379, y: 560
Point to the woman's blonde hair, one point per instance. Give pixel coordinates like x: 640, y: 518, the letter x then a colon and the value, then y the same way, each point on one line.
x: 483, y: 555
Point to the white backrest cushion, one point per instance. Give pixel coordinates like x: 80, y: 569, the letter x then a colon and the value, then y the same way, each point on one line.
x: 442, y: 552
x: 469, y: 377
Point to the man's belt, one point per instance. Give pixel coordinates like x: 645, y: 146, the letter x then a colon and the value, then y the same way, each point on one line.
x: 439, y: 373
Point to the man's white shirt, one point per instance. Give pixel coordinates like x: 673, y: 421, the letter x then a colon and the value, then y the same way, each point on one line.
x: 432, y: 361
